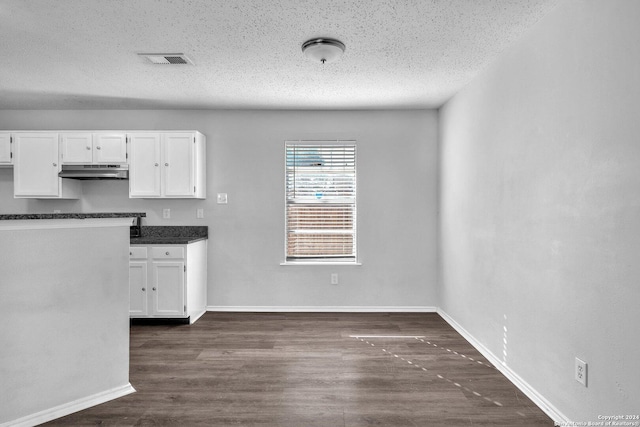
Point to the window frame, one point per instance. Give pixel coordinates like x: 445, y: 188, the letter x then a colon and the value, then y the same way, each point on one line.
x: 319, y: 260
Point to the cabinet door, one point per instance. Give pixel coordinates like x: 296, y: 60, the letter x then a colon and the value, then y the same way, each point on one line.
x: 178, y: 168
x: 168, y: 288
x: 144, y: 165
x: 76, y: 148
x: 35, y: 171
x: 5, y: 148
x: 109, y: 148
x: 138, y: 288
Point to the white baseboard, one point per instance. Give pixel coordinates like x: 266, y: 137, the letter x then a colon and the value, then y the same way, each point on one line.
x: 196, y: 316
x: 557, y: 416
x: 323, y: 309
x: 71, y: 407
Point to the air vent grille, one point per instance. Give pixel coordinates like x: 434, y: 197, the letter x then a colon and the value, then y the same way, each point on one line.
x: 176, y: 60
x: 166, y: 58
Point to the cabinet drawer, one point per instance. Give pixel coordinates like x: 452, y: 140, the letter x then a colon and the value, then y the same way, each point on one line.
x: 166, y: 252
x: 136, y: 252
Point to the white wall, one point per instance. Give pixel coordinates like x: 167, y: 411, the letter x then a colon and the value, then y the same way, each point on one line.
x: 540, y: 220
x: 397, y: 201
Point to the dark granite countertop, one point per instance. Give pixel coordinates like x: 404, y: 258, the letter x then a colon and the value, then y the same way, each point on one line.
x: 73, y: 215
x: 170, y: 235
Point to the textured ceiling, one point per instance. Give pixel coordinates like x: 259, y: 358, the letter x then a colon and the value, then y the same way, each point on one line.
x: 82, y: 54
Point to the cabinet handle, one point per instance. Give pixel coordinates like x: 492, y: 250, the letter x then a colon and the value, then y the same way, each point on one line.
x: 55, y: 164
x: 130, y: 253
x: 88, y: 148
x: 166, y: 164
x: 154, y: 289
x: 166, y: 253
x: 144, y: 289
x: 156, y: 164
x: 98, y: 147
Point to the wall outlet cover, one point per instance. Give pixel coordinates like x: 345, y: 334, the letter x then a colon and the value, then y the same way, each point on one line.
x: 222, y: 198
x: 581, y: 372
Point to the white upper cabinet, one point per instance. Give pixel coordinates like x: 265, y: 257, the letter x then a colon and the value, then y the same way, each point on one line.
x: 178, y: 168
x: 36, y: 167
x: 76, y: 147
x: 162, y: 164
x: 93, y: 148
x: 5, y: 148
x: 144, y: 165
x: 109, y: 148
x: 168, y: 165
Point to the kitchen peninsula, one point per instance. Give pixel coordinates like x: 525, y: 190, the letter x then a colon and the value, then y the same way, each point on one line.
x: 64, y: 298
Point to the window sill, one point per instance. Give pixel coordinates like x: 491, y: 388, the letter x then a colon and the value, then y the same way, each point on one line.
x: 320, y: 263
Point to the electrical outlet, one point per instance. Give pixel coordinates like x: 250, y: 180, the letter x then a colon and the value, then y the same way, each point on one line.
x: 222, y: 198
x: 581, y: 372
x: 166, y: 213
x: 200, y: 213
x: 334, y: 278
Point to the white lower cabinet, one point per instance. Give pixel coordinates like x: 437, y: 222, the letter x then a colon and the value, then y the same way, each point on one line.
x: 138, y: 288
x: 168, y: 289
x: 168, y: 281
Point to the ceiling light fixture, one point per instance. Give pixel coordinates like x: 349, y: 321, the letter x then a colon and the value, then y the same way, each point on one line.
x: 323, y: 50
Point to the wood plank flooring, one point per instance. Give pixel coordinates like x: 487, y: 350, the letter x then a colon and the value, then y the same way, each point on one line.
x: 308, y: 369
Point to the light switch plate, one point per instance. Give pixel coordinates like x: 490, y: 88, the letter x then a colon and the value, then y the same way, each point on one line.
x: 166, y: 213
x: 222, y: 198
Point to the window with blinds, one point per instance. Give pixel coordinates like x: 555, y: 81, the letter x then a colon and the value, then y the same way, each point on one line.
x: 321, y: 201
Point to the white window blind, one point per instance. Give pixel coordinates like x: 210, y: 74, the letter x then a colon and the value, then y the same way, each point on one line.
x: 321, y: 201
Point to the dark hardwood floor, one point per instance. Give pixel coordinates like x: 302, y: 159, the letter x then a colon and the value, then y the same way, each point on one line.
x: 308, y: 369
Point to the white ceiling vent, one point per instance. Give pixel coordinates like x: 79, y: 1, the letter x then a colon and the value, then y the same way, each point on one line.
x: 167, y: 58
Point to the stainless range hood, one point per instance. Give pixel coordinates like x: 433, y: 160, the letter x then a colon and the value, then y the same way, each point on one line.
x: 94, y: 172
